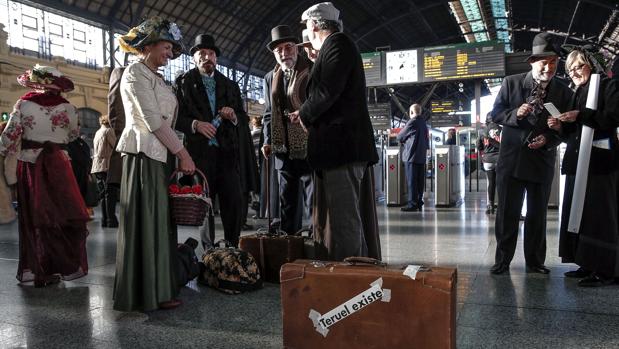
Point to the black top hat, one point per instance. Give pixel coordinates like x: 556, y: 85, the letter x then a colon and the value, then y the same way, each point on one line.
x: 204, y: 41
x: 544, y: 46
x: 279, y: 34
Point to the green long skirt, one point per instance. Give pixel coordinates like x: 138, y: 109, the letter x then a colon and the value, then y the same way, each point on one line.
x: 145, y: 272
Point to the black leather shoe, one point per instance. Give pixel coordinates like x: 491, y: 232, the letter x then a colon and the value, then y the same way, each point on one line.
x: 539, y: 269
x: 499, y: 269
x: 408, y: 209
x: 579, y: 273
x: 594, y: 280
x: 246, y: 226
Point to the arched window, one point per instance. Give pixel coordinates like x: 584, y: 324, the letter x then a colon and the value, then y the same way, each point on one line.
x: 89, y: 123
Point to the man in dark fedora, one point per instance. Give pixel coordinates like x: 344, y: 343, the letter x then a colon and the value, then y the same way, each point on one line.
x: 306, y: 44
x: 212, y: 117
x: 527, y: 155
x: 284, y: 91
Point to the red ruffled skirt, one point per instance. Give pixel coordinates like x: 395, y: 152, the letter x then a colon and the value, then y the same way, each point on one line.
x: 52, y: 219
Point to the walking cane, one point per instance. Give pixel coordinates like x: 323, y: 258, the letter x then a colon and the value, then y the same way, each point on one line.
x: 268, y: 196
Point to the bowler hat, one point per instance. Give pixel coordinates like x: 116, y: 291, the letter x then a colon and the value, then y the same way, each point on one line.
x: 279, y: 34
x: 204, y: 41
x: 544, y: 46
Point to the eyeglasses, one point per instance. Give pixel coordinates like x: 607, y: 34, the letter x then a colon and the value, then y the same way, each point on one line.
x: 281, y: 49
x: 576, y: 69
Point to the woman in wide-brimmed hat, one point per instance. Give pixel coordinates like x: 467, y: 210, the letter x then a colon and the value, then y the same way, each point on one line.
x: 51, y: 212
x: 145, y: 261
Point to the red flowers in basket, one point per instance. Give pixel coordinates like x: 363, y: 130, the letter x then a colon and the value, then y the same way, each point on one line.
x: 185, y: 189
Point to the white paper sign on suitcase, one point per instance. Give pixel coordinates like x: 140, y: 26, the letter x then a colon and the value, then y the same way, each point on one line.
x: 355, y: 304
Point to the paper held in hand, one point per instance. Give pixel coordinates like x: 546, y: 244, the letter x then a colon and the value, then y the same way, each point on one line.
x: 554, y: 112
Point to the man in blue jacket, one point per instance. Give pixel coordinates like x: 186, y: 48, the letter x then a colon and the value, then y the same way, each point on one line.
x: 414, y: 136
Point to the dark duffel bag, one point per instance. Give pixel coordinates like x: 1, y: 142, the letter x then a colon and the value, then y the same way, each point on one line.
x: 271, y: 251
x: 188, y: 267
x: 364, y: 303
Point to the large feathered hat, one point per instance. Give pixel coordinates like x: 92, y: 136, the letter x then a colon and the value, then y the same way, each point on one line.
x: 151, y: 31
x: 45, y: 78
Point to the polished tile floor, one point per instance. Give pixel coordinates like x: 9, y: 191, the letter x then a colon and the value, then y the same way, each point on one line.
x: 517, y: 310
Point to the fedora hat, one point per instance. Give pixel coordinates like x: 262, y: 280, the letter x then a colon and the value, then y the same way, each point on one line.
x: 204, y: 41
x: 305, y: 41
x: 544, y: 46
x: 279, y: 34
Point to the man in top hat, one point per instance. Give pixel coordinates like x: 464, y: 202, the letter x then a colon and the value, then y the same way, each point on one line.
x: 284, y: 91
x: 527, y: 155
x: 216, y: 127
x: 341, y: 147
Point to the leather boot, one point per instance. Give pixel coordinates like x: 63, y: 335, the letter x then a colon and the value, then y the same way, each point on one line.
x: 110, y: 203
x: 104, y: 222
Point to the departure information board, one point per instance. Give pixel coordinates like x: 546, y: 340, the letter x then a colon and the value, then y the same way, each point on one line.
x: 463, y: 61
x: 480, y: 60
x: 380, y: 115
x: 373, y: 68
x: 442, y: 107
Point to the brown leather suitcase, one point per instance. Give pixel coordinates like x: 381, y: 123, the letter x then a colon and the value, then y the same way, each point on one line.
x: 271, y: 251
x: 358, y: 305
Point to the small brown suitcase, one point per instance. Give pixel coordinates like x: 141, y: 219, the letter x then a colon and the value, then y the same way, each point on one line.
x: 353, y: 304
x: 271, y: 251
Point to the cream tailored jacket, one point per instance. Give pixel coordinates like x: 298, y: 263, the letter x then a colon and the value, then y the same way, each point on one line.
x: 149, y: 103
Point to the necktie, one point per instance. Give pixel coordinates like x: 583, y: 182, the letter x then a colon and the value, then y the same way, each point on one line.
x: 287, y: 74
x: 209, y: 84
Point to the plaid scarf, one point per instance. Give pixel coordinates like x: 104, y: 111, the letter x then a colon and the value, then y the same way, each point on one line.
x: 287, y: 137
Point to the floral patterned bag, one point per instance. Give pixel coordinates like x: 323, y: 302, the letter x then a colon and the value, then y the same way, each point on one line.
x: 230, y: 270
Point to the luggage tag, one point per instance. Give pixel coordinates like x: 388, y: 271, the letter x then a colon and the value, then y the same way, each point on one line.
x: 412, y: 270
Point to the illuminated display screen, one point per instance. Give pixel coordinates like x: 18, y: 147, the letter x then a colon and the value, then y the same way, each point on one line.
x: 442, y: 107
x: 373, y: 68
x: 463, y: 61
x: 481, y: 60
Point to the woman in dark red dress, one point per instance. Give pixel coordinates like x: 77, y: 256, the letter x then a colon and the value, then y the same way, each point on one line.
x: 51, y: 212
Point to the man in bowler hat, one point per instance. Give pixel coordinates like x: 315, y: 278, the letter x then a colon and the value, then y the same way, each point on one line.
x: 284, y: 91
x: 212, y: 117
x: 527, y: 155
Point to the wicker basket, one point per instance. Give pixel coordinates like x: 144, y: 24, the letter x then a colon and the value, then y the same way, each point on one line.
x: 189, y: 208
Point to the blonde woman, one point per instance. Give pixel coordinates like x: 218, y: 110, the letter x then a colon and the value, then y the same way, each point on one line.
x: 145, y: 260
